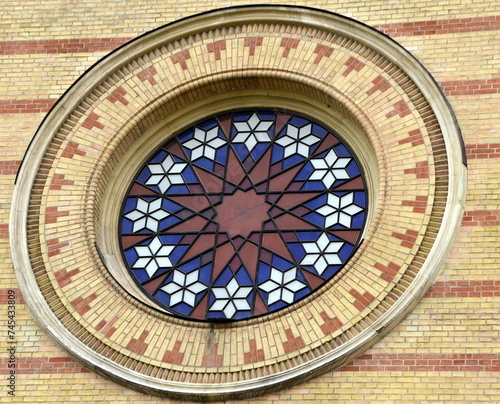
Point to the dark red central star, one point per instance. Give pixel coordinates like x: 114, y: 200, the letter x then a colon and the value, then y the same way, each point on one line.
x: 242, y: 213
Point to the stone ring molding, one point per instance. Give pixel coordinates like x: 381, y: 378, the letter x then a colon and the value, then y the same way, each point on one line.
x: 76, y: 172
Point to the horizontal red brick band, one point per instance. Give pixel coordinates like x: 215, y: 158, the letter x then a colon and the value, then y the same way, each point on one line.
x: 481, y: 218
x: 9, y: 167
x: 365, y: 363
x: 5, y: 293
x: 465, y: 289
x: 483, y: 151
x: 73, y: 45
x: 26, y: 106
x: 425, y: 363
x: 76, y: 45
x: 438, y: 27
x: 471, y: 87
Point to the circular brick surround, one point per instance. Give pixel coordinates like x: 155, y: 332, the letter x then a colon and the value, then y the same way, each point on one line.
x: 78, y: 168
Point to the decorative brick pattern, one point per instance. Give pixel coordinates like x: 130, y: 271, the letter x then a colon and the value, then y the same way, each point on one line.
x: 400, y: 108
x: 322, y: 51
x: 92, y: 122
x: 216, y: 48
x: 288, y: 44
x: 331, y: 324
x: 414, y: 137
x: 71, y: 149
x: 212, y: 358
x: 181, y: 58
x: 138, y: 345
x: 419, y: 204
x: 292, y: 343
x: 54, y: 246
x: 408, y: 239
x: 388, y: 271
x: 252, y: 43
x: 362, y: 300
x: 174, y: 356
x: 58, y: 181
x: 421, y: 170
x: 107, y: 328
x: 148, y: 75
x: 379, y: 84
x: 353, y: 64
x: 53, y: 213
x: 254, y: 355
x: 81, y: 304
x: 64, y: 277
x: 118, y: 95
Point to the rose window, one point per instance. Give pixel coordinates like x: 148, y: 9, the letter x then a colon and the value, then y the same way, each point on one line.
x: 243, y: 214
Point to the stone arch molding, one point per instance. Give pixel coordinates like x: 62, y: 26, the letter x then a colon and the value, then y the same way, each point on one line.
x: 76, y: 171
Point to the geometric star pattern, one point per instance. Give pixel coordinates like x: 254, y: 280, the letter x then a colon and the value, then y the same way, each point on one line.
x: 243, y: 214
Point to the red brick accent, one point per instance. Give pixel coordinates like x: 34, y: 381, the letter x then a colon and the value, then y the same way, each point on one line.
x: 471, y: 87
x: 9, y: 167
x: 4, y: 231
x: 91, y: 122
x: 181, y: 58
x: 322, y: 50
x: 421, y: 170
x: 292, y: 343
x: 252, y: 43
x: 331, y: 324
x: 148, y: 74
x: 483, y: 151
x: 211, y: 358
x: 174, y: 356
x: 476, y: 362
x: 81, y: 304
x: 118, y: 95
x: 58, y: 181
x: 353, y: 64
x: 408, y: 238
x: 418, y: 204
x: 400, y: 108
x: 61, y: 46
x: 481, y: 218
x: 388, y: 272
x: 64, y: 277
x: 72, y: 149
x: 41, y: 365
x: 216, y: 47
x: 54, y: 246
x: 439, y: 27
x: 288, y: 43
x: 52, y: 214
x: 106, y: 327
x: 4, y: 295
x: 362, y: 300
x: 25, y: 106
x: 452, y: 289
x: 138, y: 345
x: 379, y: 84
x: 255, y: 355
x: 415, y: 137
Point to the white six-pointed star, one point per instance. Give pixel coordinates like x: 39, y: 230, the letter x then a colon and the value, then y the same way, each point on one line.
x: 153, y: 256
x: 204, y: 143
x: 184, y: 287
x: 298, y: 140
x: 231, y: 298
x: 330, y: 168
x: 322, y: 253
x: 252, y: 131
x: 339, y: 210
x: 166, y: 173
x: 147, y: 215
x: 282, y: 285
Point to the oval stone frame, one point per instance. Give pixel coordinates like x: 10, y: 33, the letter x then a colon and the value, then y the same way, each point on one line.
x: 76, y: 171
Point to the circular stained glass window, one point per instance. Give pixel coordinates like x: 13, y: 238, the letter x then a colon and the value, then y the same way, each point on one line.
x: 243, y: 214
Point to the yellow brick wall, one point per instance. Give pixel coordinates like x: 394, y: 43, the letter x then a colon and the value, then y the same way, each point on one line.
x: 446, y: 350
